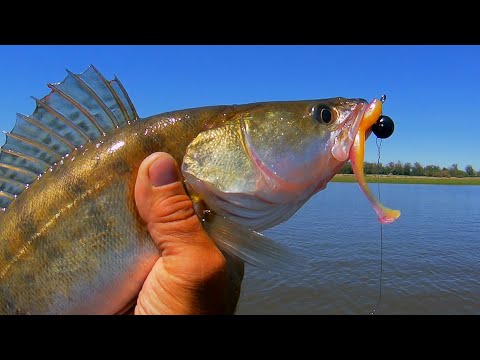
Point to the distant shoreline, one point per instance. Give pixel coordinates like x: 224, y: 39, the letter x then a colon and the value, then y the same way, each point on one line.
x: 402, y: 179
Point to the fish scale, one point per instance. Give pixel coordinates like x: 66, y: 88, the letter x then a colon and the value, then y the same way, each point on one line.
x: 80, y: 199
x: 71, y: 239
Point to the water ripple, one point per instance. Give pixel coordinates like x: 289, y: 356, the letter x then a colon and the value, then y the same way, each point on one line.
x: 431, y: 255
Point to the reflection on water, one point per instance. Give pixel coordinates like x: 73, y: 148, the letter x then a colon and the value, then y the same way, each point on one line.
x: 431, y: 255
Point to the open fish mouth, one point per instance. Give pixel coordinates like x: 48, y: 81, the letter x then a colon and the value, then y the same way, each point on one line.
x: 357, y: 116
x: 345, y: 137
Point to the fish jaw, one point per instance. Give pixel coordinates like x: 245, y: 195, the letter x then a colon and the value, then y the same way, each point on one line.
x: 343, y: 139
x: 357, y: 153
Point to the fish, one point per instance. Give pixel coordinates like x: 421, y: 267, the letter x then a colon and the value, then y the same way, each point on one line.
x: 71, y: 238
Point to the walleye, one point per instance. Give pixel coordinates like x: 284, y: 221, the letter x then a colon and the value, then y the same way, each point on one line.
x: 71, y: 240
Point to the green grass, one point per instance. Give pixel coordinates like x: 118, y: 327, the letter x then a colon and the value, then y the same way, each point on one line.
x: 399, y: 179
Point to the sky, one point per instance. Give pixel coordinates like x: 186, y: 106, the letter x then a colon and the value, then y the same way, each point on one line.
x: 433, y: 92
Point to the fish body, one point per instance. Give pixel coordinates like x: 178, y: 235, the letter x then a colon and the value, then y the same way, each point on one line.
x: 72, y: 241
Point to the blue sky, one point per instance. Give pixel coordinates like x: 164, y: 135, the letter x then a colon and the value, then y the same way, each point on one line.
x: 433, y: 92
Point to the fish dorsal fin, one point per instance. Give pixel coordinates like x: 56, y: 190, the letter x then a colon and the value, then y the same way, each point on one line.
x: 80, y: 109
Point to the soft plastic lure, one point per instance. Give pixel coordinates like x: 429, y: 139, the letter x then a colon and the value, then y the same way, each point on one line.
x: 357, y: 153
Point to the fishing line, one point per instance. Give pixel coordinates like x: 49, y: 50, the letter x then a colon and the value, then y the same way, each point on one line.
x: 378, y: 141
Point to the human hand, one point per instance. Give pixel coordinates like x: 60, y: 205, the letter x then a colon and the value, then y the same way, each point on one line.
x: 192, y: 276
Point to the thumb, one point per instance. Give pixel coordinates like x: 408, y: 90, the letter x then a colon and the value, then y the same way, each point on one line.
x: 192, y: 272
x: 164, y: 205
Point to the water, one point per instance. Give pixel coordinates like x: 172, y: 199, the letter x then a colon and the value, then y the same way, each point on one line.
x: 431, y: 255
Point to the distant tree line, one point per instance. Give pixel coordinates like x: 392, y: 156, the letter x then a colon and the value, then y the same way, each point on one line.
x: 413, y: 170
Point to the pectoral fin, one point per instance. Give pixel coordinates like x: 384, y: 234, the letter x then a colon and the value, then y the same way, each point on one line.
x: 250, y: 246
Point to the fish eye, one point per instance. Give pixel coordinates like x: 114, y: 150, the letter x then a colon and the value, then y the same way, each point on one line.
x: 324, y: 114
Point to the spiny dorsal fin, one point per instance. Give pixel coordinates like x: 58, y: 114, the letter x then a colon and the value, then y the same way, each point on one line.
x: 81, y: 108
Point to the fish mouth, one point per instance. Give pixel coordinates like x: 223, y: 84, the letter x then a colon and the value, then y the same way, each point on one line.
x: 345, y: 136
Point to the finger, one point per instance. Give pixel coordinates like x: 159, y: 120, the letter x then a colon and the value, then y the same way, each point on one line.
x: 163, y: 203
x: 189, y: 256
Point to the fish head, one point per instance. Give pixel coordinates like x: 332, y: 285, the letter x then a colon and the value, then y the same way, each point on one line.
x: 303, y: 143
x: 263, y: 162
